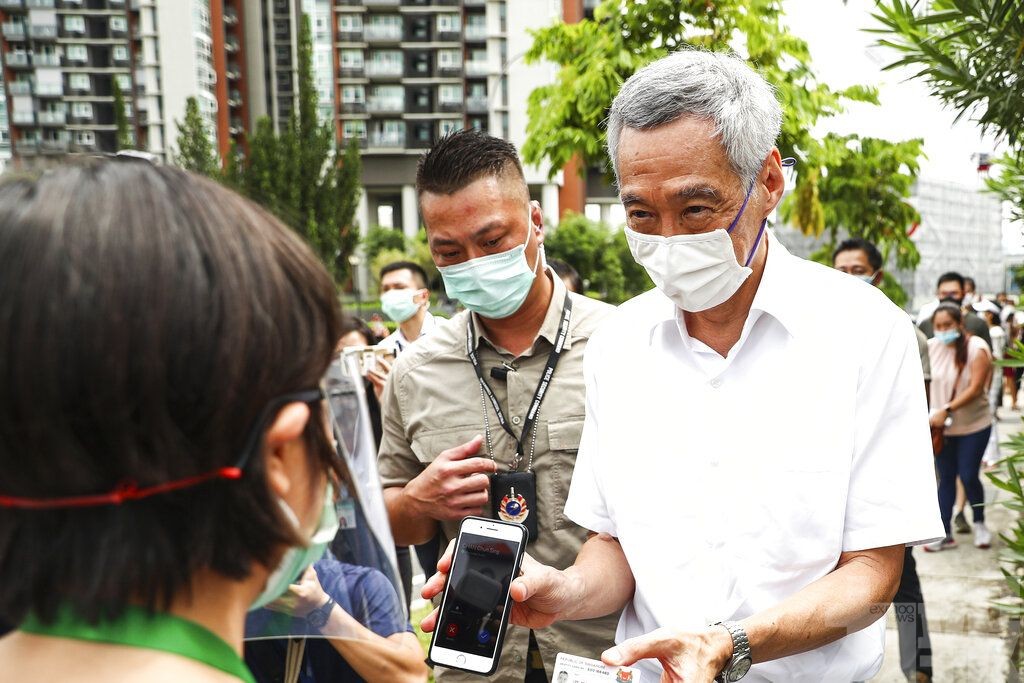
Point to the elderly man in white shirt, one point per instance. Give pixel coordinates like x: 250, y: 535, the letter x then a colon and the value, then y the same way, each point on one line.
x: 755, y: 455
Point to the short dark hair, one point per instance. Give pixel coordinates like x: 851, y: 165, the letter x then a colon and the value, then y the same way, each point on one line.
x: 567, y: 272
x: 861, y: 244
x: 951, y: 276
x: 463, y: 157
x: 416, y: 269
x: 974, y: 285
x: 351, y: 323
x: 150, y: 318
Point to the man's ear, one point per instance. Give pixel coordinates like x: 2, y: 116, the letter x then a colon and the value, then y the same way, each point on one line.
x: 877, y: 279
x: 422, y: 296
x: 282, y: 439
x: 537, y: 221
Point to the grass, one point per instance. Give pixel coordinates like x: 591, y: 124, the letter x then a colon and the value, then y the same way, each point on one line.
x: 424, y: 638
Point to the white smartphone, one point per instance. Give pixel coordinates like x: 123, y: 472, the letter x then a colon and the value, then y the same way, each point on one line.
x: 475, y: 605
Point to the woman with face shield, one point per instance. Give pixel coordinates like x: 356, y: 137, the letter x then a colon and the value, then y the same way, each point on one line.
x: 165, y: 459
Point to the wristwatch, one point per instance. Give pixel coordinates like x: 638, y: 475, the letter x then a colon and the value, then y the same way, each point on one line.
x: 318, y: 617
x: 737, y: 666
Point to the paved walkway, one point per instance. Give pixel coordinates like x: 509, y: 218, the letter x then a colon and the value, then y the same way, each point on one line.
x: 969, y: 636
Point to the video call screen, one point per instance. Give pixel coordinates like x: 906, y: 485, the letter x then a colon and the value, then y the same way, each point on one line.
x: 479, y: 582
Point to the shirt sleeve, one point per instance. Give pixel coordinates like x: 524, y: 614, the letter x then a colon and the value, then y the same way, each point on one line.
x: 892, y: 497
x: 585, y: 503
x: 396, y: 461
x: 922, y: 348
x: 378, y: 605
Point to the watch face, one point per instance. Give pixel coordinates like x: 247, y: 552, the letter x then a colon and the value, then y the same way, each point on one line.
x: 739, y: 669
x: 318, y: 617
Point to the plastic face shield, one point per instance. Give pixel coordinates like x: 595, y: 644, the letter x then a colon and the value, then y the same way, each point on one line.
x: 354, y: 586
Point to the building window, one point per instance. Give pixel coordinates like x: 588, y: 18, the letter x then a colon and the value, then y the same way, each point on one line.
x: 449, y: 23
x: 124, y: 81
x: 79, y: 53
x: 79, y: 81
x: 449, y: 59
x: 447, y: 94
x: 451, y: 126
x: 85, y: 137
x: 350, y: 23
x: 351, y: 59
x: 118, y: 24
x: 120, y: 53
x: 82, y: 110
x: 353, y: 94
x: 74, y: 24
x: 353, y: 129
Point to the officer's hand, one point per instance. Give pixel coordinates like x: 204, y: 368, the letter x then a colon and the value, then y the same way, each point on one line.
x: 454, y: 486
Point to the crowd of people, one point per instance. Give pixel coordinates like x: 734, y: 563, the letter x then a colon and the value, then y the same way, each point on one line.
x: 180, y: 501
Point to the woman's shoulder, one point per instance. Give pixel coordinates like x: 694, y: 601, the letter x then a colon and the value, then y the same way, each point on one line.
x: 976, y: 344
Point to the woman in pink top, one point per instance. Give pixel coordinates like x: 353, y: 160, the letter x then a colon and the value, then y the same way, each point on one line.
x: 961, y: 370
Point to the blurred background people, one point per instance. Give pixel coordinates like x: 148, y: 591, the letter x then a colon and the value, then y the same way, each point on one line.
x: 572, y: 280
x: 950, y: 289
x: 961, y: 370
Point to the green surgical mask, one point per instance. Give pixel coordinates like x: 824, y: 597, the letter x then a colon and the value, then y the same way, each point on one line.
x: 398, y: 304
x: 494, y: 286
x: 297, y: 559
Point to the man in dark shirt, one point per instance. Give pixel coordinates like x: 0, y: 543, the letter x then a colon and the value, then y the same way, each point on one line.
x: 951, y: 288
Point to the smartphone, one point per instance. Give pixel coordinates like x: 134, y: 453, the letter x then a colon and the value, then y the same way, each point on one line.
x: 368, y: 356
x: 475, y: 605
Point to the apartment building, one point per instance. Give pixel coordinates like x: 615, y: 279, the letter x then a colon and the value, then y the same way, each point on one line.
x: 62, y: 60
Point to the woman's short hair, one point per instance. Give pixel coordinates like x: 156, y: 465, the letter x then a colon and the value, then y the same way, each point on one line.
x: 149, y: 317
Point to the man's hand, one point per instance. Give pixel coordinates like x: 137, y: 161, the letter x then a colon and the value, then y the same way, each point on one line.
x: 540, y: 596
x: 378, y: 376
x: 453, y: 486
x: 686, y: 657
x: 302, y: 597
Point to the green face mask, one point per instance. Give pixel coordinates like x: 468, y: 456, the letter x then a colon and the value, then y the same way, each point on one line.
x: 494, y: 286
x: 297, y: 559
x: 398, y: 304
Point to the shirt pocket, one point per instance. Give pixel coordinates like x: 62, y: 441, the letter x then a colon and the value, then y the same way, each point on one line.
x: 564, y: 442
x: 428, y: 444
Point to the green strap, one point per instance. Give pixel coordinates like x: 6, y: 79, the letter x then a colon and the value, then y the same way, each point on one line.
x: 152, y: 631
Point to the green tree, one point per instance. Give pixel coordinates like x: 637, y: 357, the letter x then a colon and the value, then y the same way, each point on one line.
x: 1008, y: 184
x: 596, y: 56
x: 378, y: 239
x: 300, y: 175
x: 232, y: 174
x: 600, y: 255
x: 970, y: 53
x: 195, y: 151
x: 125, y: 139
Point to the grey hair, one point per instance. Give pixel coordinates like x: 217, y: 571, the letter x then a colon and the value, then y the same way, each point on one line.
x: 712, y: 85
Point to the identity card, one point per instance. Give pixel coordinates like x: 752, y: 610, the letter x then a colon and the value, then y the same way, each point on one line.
x: 572, y: 669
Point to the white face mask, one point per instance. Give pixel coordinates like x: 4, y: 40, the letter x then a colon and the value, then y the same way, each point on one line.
x: 697, y: 272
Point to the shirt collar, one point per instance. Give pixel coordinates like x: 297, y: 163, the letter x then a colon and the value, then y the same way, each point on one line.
x: 552, y: 319
x: 429, y: 323
x: 776, y: 294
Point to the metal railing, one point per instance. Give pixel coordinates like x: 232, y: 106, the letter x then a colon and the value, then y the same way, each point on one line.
x: 382, y: 32
x: 389, y: 139
x: 476, y: 32
x: 385, y: 104
x: 383, y: 68
x: 52, y: 118
x: 477, y: 104
x: 13, y: 30
x: 42, y: 30
x: 45, y: 59
x: 49, y: 89
x: 16, y: 59
x: 477, y: 68
x: 20, y: 87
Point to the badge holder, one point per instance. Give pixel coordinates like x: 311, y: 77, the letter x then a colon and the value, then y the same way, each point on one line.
x: 514, y: 499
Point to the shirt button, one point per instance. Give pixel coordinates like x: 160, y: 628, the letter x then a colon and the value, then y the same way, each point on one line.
x: 516, y: 419
x: 716, y: 383
x: 517, y: 657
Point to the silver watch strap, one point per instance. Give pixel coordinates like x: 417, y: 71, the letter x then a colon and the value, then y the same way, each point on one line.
x: 740, y: 647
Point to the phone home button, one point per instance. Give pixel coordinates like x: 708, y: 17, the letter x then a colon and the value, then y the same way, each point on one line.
x: 461, y: 659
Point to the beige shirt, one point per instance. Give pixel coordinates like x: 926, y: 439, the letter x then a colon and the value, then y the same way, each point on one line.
x: 974, y: 416
x: 432, y: 403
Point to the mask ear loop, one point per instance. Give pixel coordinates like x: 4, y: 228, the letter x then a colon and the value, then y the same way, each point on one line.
x: 788, y: 162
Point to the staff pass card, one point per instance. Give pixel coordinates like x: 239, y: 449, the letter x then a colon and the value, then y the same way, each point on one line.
x: 572, y: 669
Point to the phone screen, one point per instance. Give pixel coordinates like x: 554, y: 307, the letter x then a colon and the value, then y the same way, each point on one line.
x: 477, y: 592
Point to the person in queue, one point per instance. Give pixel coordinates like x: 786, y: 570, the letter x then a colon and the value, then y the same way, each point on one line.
x: 748, y: 510
x: 458, y: 405
x: 165, y: 464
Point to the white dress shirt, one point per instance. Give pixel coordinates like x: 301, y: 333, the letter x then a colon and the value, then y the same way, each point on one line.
x: 734, y: 482
x: 398, y: 340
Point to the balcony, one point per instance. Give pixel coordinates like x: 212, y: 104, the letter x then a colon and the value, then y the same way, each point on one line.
x: 351, y: 36
x: 231, y: 45
x: 16, y: 60
x: 81, y: 116
x: 449, y: 106
x: 382, y: 32
x: 477, y: 104
x: 72, y: 4
x: 11, y: 4
x: 54, y: 145
x: 449, y: 35
x: 449, y: 70
x: 477, y: 3
x: 234, y: 98
x: 477, y: 68
x: 476, y: 32
x: 23, y: 118
x: 389, y: 139
x: 230, y: 17
x: 27, y: 147
x: 43, y: 31
x: 385, y: 105
x: 353, y: 107
x: 83, y: 146
x: 20, y: 87
x: 381, y: 3
x: 13, y: 31
x: 233, y: 72
x: 52, y: 118
x: 45, y: 59
x: 40, y: 4
x: 236, y: 127
x: 49, y: 89
x: 390, y: 69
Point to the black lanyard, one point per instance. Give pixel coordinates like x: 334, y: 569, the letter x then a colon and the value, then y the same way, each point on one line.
x: 542, y: 386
